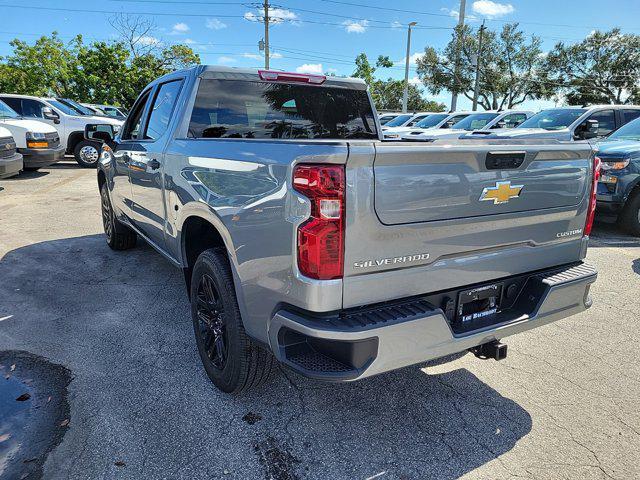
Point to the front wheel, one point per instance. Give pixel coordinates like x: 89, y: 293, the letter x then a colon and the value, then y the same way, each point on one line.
x: 233, y: 361
x: 629, y: 219
x: 119, y: 236
x: 87, y: 154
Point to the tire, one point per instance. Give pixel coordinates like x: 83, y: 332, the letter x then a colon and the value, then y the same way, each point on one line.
x: 119, y: 236
x: 86, y: 154
x: 629, y: 219
x: 232, y: 360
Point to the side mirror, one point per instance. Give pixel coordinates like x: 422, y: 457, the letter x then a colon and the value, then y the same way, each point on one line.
x: 98, y: 132
x: 588, y: 129
x: 50, y: 114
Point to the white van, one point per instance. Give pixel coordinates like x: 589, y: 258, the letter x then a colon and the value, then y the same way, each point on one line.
x: 68, y: 119
x: 38, y: 142
x: 10, y: 159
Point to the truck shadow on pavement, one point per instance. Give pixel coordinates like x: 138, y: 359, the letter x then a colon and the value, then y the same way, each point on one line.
x: 142, y: 407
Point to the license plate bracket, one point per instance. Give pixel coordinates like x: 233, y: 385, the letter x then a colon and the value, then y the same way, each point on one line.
x: 479, y: 302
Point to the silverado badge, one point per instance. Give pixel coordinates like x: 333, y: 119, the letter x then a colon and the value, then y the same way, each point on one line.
x: 501, y: 193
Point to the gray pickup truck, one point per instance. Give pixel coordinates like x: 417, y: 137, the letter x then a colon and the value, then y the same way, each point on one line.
x: 306, y: 239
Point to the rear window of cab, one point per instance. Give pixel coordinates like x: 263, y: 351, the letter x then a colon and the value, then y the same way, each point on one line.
x: 263, y: 110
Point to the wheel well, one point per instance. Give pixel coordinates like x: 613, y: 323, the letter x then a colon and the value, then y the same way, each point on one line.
x: 74, y: 139
x: 197, y: 236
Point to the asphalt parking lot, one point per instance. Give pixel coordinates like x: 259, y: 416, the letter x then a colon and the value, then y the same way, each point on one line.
x: 564, y: 404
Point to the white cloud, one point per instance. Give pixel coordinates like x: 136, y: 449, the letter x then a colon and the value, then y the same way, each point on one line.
x: 147, y: 40
x: 396, y: 24
x: 225, y: 59
x: 259, y: 56
x: 189, y: 41
x: 415, y: 81
x: 490, y: 9
x: 353, y: 26
x: 456, y: 14
x: 215, y: 24
x: 276, y: 15
x: 315, y: 68
x: 413, y: 59
x: 180, y: 28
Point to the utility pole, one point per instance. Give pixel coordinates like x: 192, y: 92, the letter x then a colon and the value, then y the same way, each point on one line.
x: 478, y: 62
x: 266, y: 34
x: 456, y: 71
x: 405, y: 94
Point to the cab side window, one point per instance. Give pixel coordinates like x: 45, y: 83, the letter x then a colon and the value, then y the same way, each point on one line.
x: 134, y: 122
x: 627, y: 115
x: 14, y: 103
x: 513, y: 120
x: 162, y: 108
x: 32, y: 108
x: 606, y: 121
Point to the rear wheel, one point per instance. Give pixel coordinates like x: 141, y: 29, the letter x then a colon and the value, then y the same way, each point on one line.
x: 86, y: 154
x: 233, y: 361
x: 629, y: 219
x: 119, y: 236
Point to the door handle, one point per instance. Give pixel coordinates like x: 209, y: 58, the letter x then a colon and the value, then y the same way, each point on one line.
x: 154, y: 164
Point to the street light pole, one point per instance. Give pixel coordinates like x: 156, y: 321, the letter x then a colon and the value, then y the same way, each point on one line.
x: 405, y: 94
x: 266, y: 34
x: 456, y: 71
x: 476, y: 87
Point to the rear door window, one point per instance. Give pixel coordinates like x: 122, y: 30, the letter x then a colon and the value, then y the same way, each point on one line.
x: 606, y: 121
x: 628, y: 115
x: 162, y: 108
x: 134, y: 122
x: 262, y: 110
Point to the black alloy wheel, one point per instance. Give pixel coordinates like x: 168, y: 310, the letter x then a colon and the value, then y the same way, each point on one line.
x: 211, y: 323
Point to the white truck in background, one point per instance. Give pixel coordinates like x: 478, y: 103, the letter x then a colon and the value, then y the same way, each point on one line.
x: 68, y: 120
x: 37, y: 142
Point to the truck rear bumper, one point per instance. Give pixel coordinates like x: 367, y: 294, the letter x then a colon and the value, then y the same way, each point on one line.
x: 358, y: 343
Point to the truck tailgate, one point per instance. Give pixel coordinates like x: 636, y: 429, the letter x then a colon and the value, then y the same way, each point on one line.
x: 444, y: 183
x: 423, y: 218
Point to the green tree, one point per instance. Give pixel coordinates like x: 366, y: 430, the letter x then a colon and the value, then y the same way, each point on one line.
x: 49, y: 66
x: 387, y: 94
x: 389, y: 97
x: 602, y: 68
x: 512, y: 71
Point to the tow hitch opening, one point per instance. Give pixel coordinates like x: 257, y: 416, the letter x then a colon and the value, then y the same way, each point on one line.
x: 494, y: 349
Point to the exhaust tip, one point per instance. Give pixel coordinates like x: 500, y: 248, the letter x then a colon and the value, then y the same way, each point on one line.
x: 494, y: 349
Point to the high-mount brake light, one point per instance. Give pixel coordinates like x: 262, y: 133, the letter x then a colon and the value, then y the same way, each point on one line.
x: 275, y: 76
x: 591, y: 212
x: 320, y: 239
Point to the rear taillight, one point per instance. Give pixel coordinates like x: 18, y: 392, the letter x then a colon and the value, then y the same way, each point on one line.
x: 591, y: 212
x: 321, y: 237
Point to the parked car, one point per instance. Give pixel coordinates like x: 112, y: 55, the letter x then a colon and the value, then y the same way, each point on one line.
x: 482, y: 122
x: 10, y: 160
x: 67, y: 119
x: 384, y: 118
x: 619, y: 185
x: 38, y: 142
x: 108, y: 110
x: 430, y: 122
x: 571, y: 123
x: 302, y: 236
x: 405, y: 120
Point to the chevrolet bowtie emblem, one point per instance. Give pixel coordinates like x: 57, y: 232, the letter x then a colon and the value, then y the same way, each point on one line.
x: 501, y: 193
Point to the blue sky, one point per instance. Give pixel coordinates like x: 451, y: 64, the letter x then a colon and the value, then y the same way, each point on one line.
x: 314, y: 36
